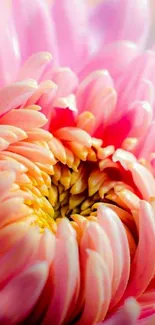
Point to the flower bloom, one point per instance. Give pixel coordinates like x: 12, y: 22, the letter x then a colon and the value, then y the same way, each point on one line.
x: 77, y: 165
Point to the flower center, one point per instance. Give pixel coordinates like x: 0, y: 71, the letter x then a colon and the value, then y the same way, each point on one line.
x: 76, y: 191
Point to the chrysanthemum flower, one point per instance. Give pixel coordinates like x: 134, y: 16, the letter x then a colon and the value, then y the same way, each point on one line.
x: 77, y: 187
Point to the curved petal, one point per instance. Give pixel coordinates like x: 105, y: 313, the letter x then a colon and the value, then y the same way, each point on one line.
x: 133, y: 123
x: 71, y: 20
x: 115, y: 16
x: 142, y: 269
x: 31, y: 19
x: 35, y: 66
x: 9, y: 55
x: 113, y: 57
x: 128, y: 315
x: 19, y: 255
x: 131, y: 85
x: 116, y: 233
x: 96, y: 94
x: 65, y: 273
x: 143, y: 179
x: 20, y: 295
x: 98, y: 290
x: 15, y: 95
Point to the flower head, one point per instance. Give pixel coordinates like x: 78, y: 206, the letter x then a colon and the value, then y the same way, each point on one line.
x: 77, y: 162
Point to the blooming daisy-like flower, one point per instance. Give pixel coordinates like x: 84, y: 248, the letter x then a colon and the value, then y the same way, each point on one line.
x: 77, y: 164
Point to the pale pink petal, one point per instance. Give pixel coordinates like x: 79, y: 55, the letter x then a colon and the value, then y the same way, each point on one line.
x: 66, y: 80
x: 38, y: 134
x: 46, y: 252
x: 10, y: 234
x: 15, y: 95
x: 142, y: 269
x: 116, y: 233
x: 98, y: 290
x: 65, y: 273
x: 13, y: 209
x: 58, y: 150
x: 35, y: 66
x: 46, y: 249
x: 143, y: 179
x: 47, y: 98
x: 96, y: 94
x: 114, y: 57
x: 146, y: 146
x: 11, y: 129
x: 111, y: 20
x: 74, y: 134
x: 19, y: 255
x: 73, y: 49
x: 7, y: 178
x: 147, y: 299
x: 131, y: 85
x: 144, y: 91
x: 95, y: 238
x: 34, y: 119
x: 9, y: 53
x: 20, y: 295
x: 5, y: 9
x: 34, y: 27
x: 34, y: 171
x: 124, y: 157
x: 142, y: 117
x: 127, y: 315
x: 33, y: 152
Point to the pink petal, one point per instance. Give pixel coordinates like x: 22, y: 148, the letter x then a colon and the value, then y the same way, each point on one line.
x: 10, y: 210
x: 34, y: 152
x: 31, y: 19
x: 20, y: 295
x: 74, y: 134
x: 146, y: 146
x: 19, y: 255
x: 96, y: 93
x: 124, y: 157
x: 46, y: 249
x: 5, y: 9
x: 114, y: 17
x: 113, y: 57
x: 143, y: 179
x: 142, y: 117
x: 73, y: 49
x: 35, y: 66
x: 34, y: 171
x: 147, y: 299
x: 133, y: 123
x: 10, y: 234
x: 66, y: 80
x: 131, y: 86
x: 95, y: 238
x: 125, y: 316
x: 116, y: 233
x: 98, y: 290
x: 7, y: 178
x: 65, y: 273
x: 9, y: 53
x: 15, y: 95
x: 17, y: 118
x: 142, y: 269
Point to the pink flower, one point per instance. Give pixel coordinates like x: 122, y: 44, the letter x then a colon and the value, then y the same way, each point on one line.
x: 77, y: 187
